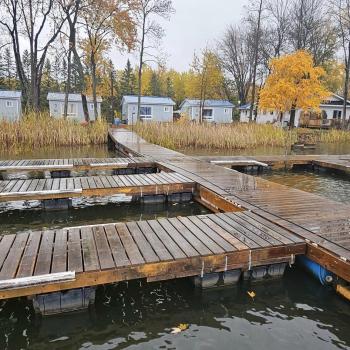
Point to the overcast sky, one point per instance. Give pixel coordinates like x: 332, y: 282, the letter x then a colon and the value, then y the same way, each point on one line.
x: 195, y: 24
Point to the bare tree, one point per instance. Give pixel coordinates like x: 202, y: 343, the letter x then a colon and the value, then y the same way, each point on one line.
x: 72, y: 10
x: 150, y: 33
x: 106, y: 22
x: 275, y: 32
x: 236, y: 59
x: 311, y: 29
x: 341, y: 11
x: 256, y: 32
x: 39, y: 24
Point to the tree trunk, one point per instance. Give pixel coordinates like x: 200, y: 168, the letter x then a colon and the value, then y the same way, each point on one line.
x: 292, y: 117
x: 256, y: 57
x: 94, y: 84
x: 67, y: 87
x: 112, y: 96
x: 140, y: 69
x: 346, y: 87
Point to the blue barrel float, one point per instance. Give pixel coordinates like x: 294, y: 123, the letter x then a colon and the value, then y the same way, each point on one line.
x: 324, y: 276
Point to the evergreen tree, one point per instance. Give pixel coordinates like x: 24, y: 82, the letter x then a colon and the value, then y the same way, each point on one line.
x: 155, y: 86
x: 127, y: 81
x: 47, y: 83
x: 26, y: 63
x: 169, y: 87
x: 9, y: 70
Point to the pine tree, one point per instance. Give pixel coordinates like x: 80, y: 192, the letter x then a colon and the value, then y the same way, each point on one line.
x: 9, y: 69
x: 26, y: 63
x: 127, y: 81
x: 155, y: 86
x: 46, y: 83
x: 169, y: 87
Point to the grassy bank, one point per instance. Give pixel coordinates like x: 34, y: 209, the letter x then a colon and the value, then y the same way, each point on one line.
x: 38, y: 130
x: 225, y: 137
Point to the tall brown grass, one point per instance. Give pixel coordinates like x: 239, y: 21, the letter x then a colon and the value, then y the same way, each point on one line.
x: 221, y: 136
x: 182, y: 135
x: 39, y: 129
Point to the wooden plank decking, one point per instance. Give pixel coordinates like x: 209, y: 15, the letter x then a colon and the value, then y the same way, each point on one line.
x: 141, y: 184
x: 154, y: 249
x: 76, y: 164
x: 335, y: 162
x: 322, y: 223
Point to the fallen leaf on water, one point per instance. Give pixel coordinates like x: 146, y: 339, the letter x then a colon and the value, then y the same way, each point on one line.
x: 251, y: 294
x: 181, y: 327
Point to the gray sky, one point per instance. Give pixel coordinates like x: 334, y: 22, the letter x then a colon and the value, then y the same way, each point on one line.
x: 196, y: 24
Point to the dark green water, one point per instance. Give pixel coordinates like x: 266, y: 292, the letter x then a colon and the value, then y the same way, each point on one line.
x: 331, y: 148
x: 327, y: 184
x: 292, y: 313
x: 14, y: 219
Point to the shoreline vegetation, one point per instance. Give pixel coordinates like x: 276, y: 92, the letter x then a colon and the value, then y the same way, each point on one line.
x: 39, y: 129
x: 181, y: 135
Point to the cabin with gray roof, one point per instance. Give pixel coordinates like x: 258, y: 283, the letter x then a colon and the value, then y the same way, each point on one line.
x: 329, y: 115
x: 214, y: 111
x: 153, y: 108
x: 10, y: 105
x: 75, y: 106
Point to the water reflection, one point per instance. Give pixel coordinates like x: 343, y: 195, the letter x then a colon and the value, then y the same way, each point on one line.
x: 325, y: 183
x: 330, y: 148
x: 140, y: 316
x: 89, y: 212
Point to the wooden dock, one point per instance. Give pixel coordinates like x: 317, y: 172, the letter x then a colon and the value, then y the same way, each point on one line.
x: 60, y: 188
x: 322, y: 223
x: 255, y: 223
x: 332, y: 162
x: 155, y: 249
x: 75, y: 164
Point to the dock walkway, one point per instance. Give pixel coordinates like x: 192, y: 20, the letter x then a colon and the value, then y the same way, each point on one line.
x: 154, y: 249
x: 324, y: 224
x: 74, y: 164
x: 60, y: 188
x: 255, y: 224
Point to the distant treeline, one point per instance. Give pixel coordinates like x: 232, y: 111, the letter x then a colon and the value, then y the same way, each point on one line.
x: 68, y: 44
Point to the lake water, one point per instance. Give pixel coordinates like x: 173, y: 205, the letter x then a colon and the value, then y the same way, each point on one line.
x: 331, y: 148
x: 292, y: 313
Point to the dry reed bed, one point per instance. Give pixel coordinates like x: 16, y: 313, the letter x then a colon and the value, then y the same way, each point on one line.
x: 37, y: 130
x: 234, y: 136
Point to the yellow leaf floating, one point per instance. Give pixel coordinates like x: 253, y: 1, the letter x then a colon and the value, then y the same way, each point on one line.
x: 181, y: 327
x: 251, y: 294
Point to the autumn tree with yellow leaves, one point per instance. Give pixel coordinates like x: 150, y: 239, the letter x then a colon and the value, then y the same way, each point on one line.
x: 294, y: 83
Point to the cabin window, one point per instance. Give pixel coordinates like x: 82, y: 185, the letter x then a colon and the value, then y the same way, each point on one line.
x: 207, y: 113
x: 92, y: 106
x: 9, y: 104
x: 166, y: 109
x: 226, y: 111
x: 336, y: 114
x: 271, y: 112
x: 146, y: 112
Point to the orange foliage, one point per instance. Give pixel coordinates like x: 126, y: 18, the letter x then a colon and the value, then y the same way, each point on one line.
x: 294, y: 81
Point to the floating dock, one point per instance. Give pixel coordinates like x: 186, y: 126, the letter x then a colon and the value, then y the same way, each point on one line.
x: 63, y: 188
x: 256, y: 228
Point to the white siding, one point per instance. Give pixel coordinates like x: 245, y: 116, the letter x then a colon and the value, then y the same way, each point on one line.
x: 57, y: 109
x: 10, y: 108
x: 160, y: 113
